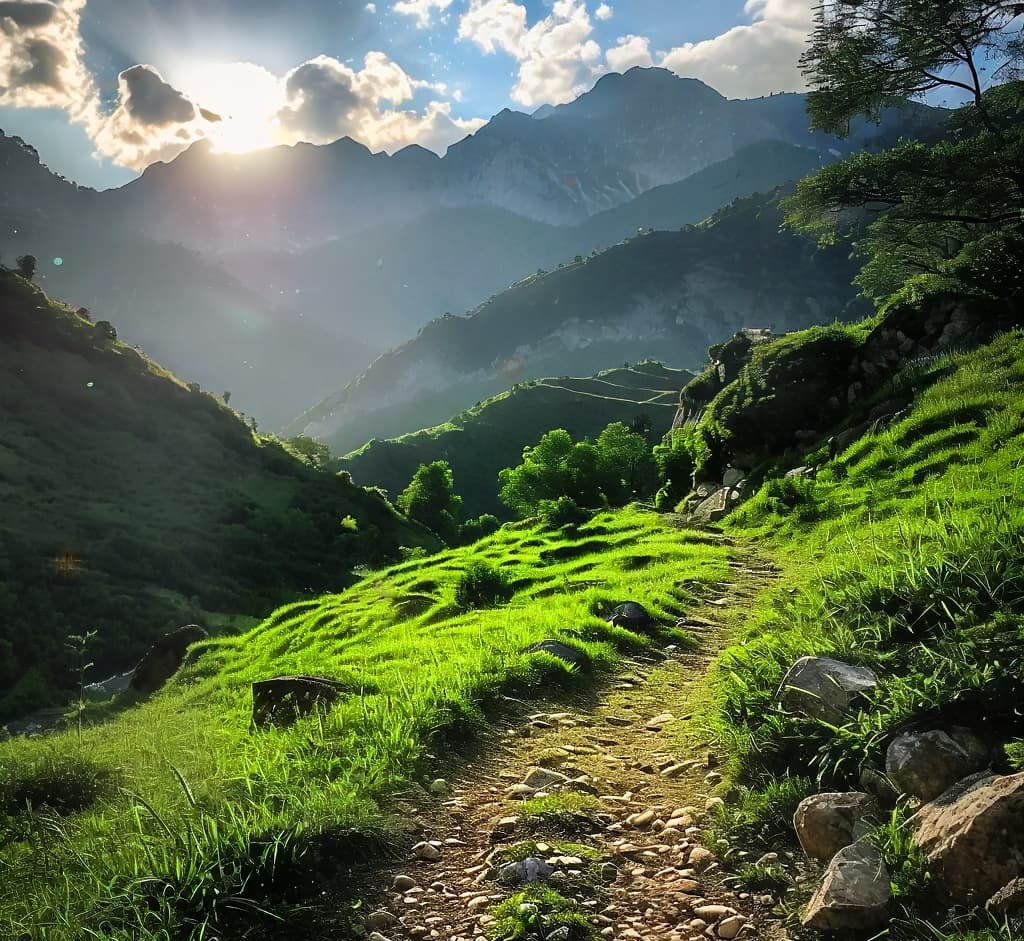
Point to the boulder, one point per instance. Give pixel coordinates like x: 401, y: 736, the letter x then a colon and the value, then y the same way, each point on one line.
x: 823, y: 688
x: 280, y: 700
x: 925, y: 764
x: 733, y: 477
x: 973, y: 837
x: 631, y: 615
x: 574, y: 656
x: 826, y: 823
x: 531, y: 869
x: 165, y: 657
x: 855, y: 894
x: 1009, y: 900
x: 713, y: 508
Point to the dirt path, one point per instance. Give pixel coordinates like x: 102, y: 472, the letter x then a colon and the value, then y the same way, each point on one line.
x: 647, y: 776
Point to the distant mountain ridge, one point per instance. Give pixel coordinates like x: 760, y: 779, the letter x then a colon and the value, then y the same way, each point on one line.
x: 664, y: 295
x: 296, y: 265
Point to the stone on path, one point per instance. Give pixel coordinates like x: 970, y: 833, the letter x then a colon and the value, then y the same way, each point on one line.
x: 855, y: 894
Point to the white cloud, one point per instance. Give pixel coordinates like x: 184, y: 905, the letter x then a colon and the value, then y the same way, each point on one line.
x: 494, y: 24
x: 41, y: 66
x: 371, y: 8
x: 629, y: 52
x: 557, y: 58
x: 604, y: 12
x: 754, y: 59
x: 422, y: 10
x: 327, y: 99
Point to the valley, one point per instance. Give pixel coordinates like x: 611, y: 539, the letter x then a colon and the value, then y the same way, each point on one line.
x: 607, y: 527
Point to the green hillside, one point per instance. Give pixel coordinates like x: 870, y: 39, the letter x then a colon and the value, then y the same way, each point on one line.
x: 484, y: 439
x: 132, y: 505
x: 925, y: 510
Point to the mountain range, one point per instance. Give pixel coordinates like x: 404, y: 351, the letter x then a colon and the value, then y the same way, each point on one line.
x: 280, y: 274
x: 661, y: 295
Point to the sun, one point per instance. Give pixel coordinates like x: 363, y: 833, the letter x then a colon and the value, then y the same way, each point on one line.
x: 244, y: 96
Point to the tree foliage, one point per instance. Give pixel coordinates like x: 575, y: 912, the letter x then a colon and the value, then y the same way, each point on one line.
x: 612, y: 470
x: 431, y: 500
x: 312, y: 452
x: 946, y: 214
x: 26, y: 265
x: 866, y: 55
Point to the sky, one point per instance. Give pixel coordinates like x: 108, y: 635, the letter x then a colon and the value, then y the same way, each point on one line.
x: 103, y: 88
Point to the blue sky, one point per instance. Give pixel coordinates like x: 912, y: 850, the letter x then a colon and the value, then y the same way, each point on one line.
x: 128, y: 82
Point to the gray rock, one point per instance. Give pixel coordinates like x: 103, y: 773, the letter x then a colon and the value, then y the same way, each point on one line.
x: 531, y: 869
x: 826, y: 823
x: 823, y: 688
x: 165, y: 657
x: 855, y: 894
x: 538, y: 778
x: 973, y: 837
x: 573, y: 656
x: 713, y: 508
x: 924, y: 764
x: 631, y: 615
x: 733, y: 477
x: 1009, y: 900
x: 381, y: 919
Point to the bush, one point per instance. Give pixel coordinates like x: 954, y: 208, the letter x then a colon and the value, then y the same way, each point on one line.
x: 562, y: 512
x: 481, y: 585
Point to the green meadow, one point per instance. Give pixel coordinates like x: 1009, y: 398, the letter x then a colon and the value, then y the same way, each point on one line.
x: 176, y: 817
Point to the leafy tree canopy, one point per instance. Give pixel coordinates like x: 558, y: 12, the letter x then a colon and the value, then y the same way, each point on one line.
x: 430, y: 499
x: 866, y: 55
x: 612, y: 470
x: 946, y: 215
x: 313, y: 452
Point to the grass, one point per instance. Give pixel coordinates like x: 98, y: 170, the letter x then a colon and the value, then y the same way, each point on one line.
x: 208, y: 812
x: 132, y: 505
x: 905, y: 553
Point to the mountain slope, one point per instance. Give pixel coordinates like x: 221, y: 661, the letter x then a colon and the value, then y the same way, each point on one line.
x: 392, y: 276
x: 665, y: 295
x: 133, y: 505
x: 484, y: 439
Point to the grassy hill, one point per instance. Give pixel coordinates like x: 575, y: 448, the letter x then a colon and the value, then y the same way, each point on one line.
x: 133, y: 505
x: 904, y: 552
x: 483, y: 440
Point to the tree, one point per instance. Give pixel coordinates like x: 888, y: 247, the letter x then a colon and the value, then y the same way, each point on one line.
x: 612, y: 470
x: 431, y: 500
x: 312, y: 452
x: 944, y: 216
x: 226, y: 396
x: 26, y: 266
x: 866, y: 55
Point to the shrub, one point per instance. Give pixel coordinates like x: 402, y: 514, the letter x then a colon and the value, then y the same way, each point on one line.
x: 562, y: 512
x: 481, y: 585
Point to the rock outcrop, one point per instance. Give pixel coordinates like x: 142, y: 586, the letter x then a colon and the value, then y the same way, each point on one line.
x: 165, y: 657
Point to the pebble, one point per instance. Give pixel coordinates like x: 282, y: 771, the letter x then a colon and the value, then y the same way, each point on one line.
x: 427, y: 851
x: 730, y: 927
x: 439, y: 787
x: 403, y: 883
x: 381, y: 919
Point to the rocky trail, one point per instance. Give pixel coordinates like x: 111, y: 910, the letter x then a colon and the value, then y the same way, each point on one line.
x: 605, y: 801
